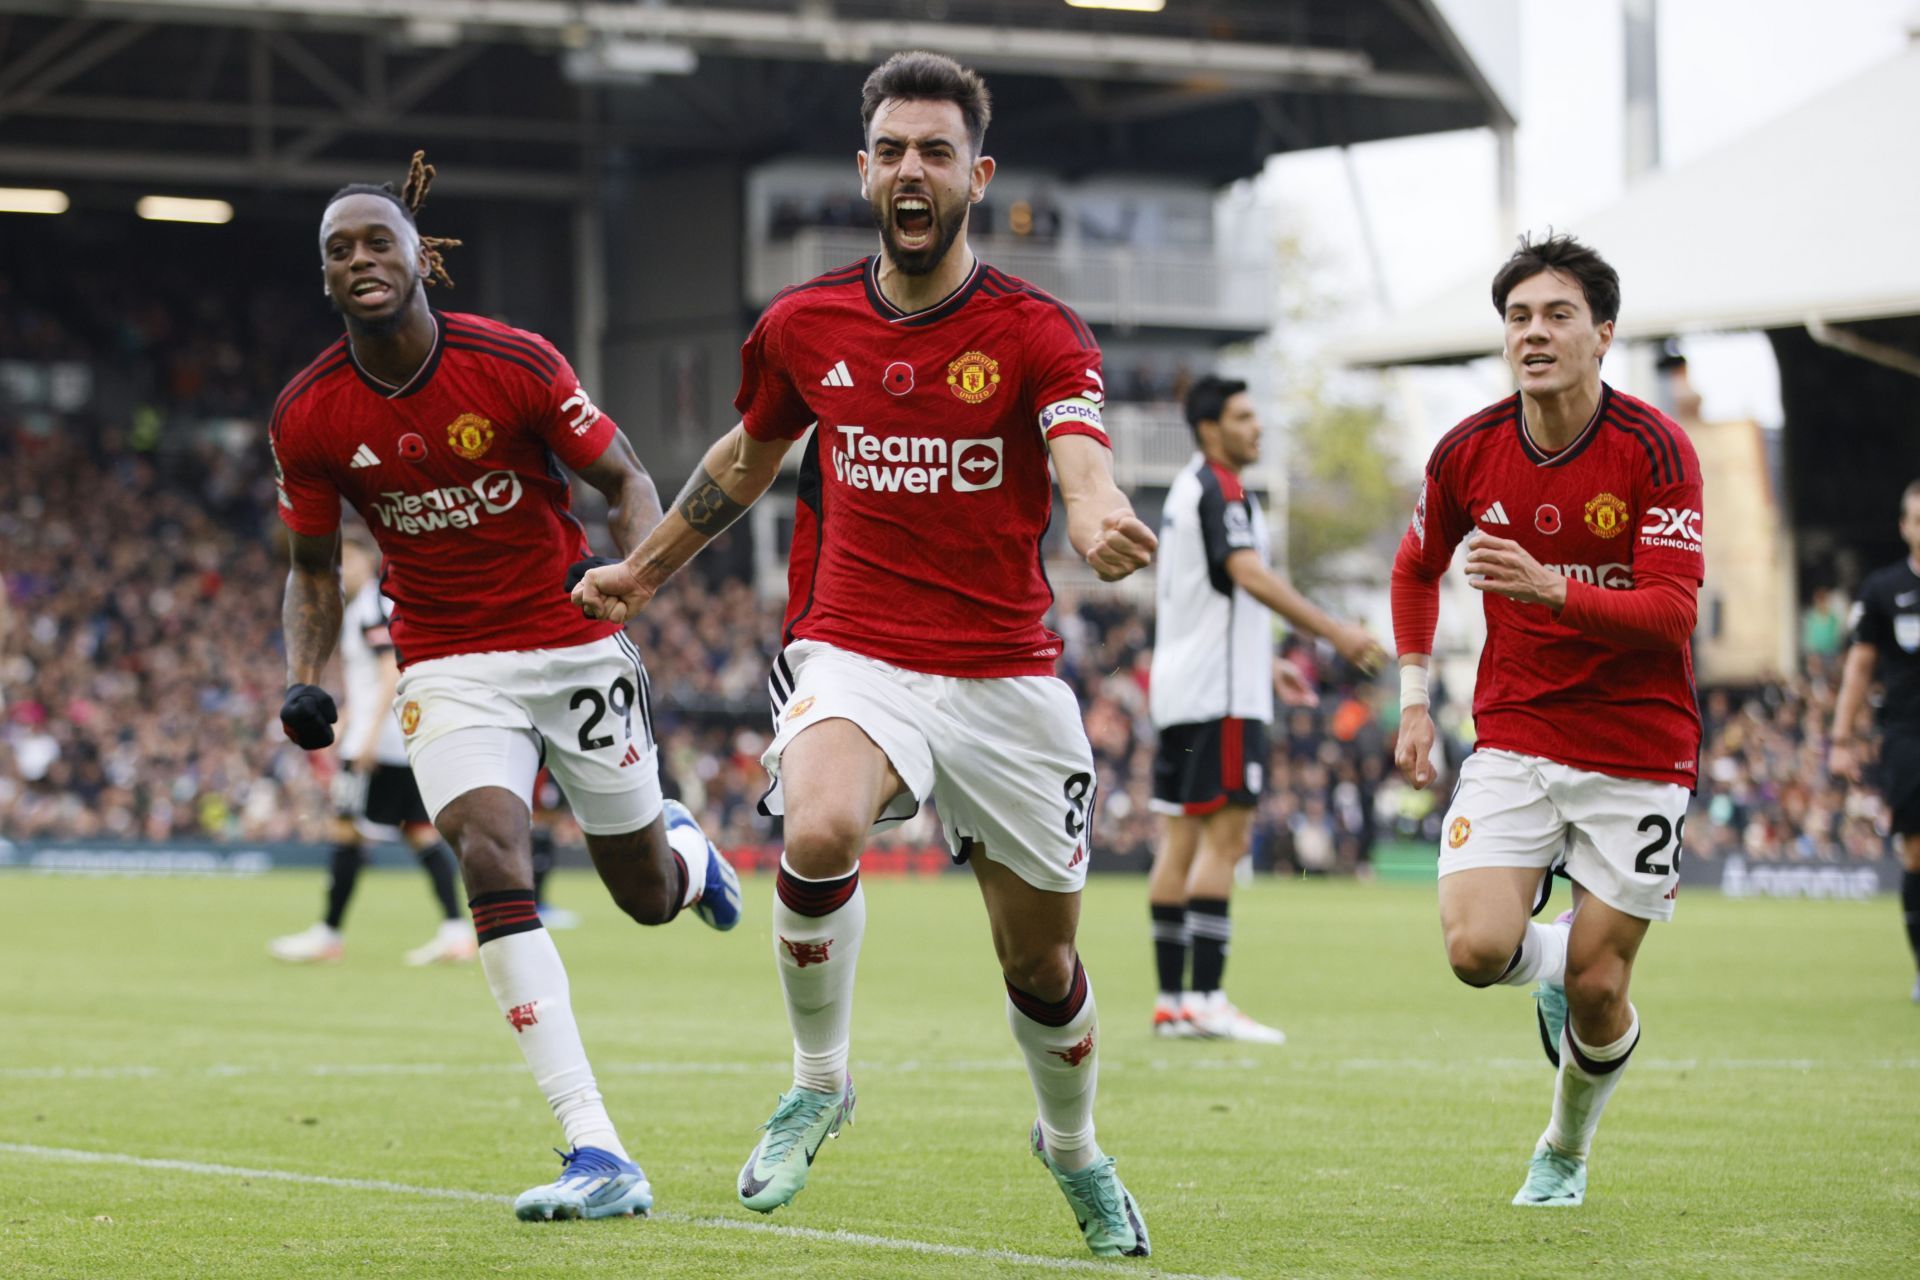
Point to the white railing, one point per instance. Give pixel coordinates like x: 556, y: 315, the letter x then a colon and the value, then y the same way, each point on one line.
x: 1107, y: 284
x: 1151, y: 442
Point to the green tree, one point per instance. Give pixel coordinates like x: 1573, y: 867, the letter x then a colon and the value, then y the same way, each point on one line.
x: 1345, y: 493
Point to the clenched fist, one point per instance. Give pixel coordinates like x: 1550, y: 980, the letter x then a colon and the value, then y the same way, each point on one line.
x: 1124, y: 545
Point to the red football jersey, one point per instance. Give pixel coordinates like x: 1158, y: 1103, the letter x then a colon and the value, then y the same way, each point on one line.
x: 1623, y: 497
x: 924, y: 491
x: 456, y: 475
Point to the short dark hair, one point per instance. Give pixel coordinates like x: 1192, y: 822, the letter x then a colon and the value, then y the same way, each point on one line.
x: 1207, y: 399
x: 928, y: 77
x: 1598, y: 281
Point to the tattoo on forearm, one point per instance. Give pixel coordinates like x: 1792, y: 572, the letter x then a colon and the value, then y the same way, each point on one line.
x: 310, y: 620
x: 706, y: 506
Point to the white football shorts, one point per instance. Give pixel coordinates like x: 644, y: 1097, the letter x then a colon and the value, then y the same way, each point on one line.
x: 489, y: 719
x: 1005, y: 759
x: 1619, y: 838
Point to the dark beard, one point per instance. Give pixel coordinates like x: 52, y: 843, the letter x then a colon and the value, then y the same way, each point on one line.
x: 920, y: 262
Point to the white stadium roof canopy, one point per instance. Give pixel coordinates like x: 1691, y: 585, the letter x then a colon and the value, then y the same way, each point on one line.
x: 1813, y: 218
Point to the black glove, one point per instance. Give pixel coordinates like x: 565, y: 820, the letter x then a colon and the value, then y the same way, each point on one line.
x: 578, y: 569
x: 305, y: 715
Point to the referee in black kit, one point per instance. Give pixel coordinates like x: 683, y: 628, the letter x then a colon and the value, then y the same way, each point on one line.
x: 1886, y: 637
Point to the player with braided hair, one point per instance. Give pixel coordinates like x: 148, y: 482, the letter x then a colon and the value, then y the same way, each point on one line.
x: 410, y: 199
x: 442, y: 430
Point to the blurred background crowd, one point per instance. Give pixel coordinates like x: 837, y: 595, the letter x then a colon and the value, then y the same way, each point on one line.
x: 141, y: 671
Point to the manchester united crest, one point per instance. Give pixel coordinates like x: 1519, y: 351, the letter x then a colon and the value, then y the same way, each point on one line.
x: 974, y: 376
x: 1458, y: 832
x: 470, y: 436
x: 409, y: 718
x: 1607, y: 516
x: 800, y: 708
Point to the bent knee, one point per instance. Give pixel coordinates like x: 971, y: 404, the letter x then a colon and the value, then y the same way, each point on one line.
x: 824, y: 844
x: 1478, y: 959
x: 648, y: 903
x: 1046, y: 973
x: 1594, y: 987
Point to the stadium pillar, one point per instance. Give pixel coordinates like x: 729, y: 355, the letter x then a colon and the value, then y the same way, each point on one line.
x: 674, y: 286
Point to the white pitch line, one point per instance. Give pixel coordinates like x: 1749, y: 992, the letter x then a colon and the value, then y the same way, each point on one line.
x: 770, y: 1068
x: 953, y: 1066
x: 857, y: 1238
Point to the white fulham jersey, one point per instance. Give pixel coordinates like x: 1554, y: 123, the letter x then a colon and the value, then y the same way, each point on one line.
x: 363, y: 641
x: 1213, y: 643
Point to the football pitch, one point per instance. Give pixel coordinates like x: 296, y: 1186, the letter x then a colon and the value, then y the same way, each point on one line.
x: 174, y: 1104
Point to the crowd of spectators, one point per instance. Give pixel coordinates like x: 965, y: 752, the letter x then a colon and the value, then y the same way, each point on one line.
x: 188, y: 341
x: 141, y: 669
x: 141, y: 673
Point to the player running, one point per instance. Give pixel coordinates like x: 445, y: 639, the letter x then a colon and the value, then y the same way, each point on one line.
x: 374, y: 794
x: 917, y: 662
x: 1211, y: 698
x: 443, y: 430
x: 1581, y: 511
x: 1887, y: 622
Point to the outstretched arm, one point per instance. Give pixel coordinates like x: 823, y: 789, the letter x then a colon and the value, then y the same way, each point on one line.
x: 1251, y: 574
x: 311, y: 610
x: 1101, y: 524
x: 733, y: 475
x: 310, y: 615
x: 633, y: 502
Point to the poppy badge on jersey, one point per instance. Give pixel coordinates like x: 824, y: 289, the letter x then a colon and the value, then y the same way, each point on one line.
x: 974, y: 377
x: 470, y: 436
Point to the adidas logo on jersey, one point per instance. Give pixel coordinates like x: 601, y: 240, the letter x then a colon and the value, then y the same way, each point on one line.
x: 632, y: 756
x: 837, y: 376
x: 364, y: 457
x: 1495, y: 514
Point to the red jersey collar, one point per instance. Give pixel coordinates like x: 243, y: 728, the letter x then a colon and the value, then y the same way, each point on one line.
x: 421, y: 376
x: 938, y: 311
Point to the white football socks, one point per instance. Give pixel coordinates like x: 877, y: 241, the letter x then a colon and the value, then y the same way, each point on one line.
x: 1061, y: 1044
x: 691, y: 844
x: 1543, y: 955
x: 530, y: 985
x: 1588, y: 1076
x: 817, y: 927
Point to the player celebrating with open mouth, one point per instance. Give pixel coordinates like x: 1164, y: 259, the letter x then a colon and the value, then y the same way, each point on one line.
x: 917, y: 661
x: 442, y: 429
x: 1583, y: 507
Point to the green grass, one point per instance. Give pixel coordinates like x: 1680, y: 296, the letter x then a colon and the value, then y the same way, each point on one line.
x: 1770, y: 1124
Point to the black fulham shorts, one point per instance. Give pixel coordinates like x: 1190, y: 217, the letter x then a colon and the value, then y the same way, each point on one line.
x: 1204, y: 767
x: 1900, y: 780
x: 387, y: 797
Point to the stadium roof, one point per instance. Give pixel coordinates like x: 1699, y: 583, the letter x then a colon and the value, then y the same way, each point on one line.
x: 527, y: 98
x: 1812, y: 217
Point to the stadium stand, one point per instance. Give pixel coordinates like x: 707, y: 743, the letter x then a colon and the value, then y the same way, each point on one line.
x: 145, y: 629
x: 141, y: 668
